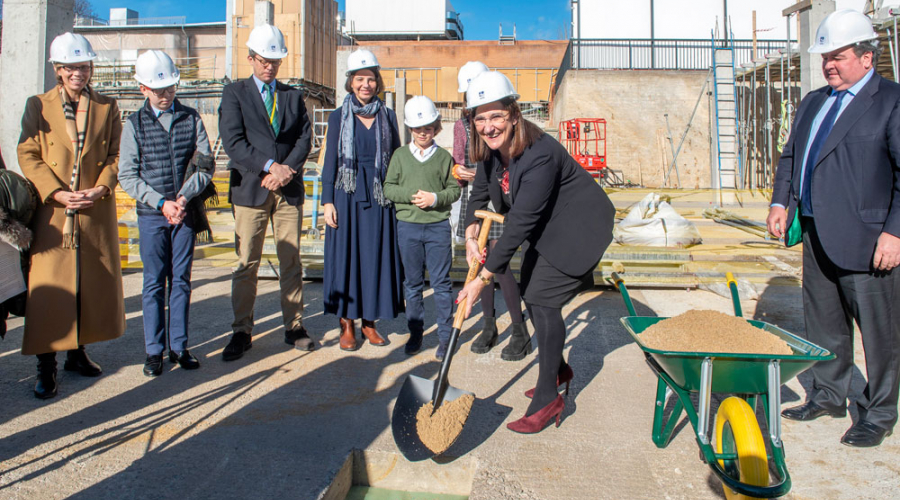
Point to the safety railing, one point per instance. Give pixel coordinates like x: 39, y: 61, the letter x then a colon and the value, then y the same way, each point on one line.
x: 664, y: 54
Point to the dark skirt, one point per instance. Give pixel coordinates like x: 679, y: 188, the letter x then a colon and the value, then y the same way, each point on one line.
x: 544, y: 285
x: 363, y: 275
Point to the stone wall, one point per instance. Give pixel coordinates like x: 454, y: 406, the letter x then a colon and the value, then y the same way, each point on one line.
x: 634, y: 104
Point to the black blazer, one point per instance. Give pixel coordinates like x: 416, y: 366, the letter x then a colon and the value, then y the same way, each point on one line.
x: 250, y: 142
x: 557, y: 207
x: 856, y: 182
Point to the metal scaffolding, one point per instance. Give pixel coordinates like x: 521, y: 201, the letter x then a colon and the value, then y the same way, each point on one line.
x: 768, y: 93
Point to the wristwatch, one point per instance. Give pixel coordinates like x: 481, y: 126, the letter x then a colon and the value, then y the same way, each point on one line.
x: 486, y: 281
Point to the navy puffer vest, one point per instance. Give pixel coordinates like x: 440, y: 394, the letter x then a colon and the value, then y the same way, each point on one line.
x: 164, y: 156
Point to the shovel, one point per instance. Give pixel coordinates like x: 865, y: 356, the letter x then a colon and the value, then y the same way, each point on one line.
x: 417, y: 391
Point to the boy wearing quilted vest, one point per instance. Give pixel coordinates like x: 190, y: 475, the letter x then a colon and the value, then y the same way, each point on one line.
x: 420, y: 183
x: 158, y: 144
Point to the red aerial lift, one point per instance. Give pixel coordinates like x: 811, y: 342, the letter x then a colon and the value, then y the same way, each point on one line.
x: 585, y: 139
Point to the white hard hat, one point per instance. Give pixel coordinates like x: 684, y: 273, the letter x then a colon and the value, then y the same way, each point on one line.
x: 489, y: 87
x: 155, y: 69
x: 420, y: 111
x: 840, y: 29
x: 267, y: 41
x: 468, y: 72
x: 71, y: 48
x: 361, y: 59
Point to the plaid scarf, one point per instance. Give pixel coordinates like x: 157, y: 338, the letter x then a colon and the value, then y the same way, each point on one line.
x: 347, y: 167
x: 76, y: 126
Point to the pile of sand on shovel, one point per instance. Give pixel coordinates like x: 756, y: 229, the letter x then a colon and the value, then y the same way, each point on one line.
x: 440, y: 430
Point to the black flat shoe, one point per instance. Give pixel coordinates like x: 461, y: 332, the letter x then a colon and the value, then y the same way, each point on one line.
x: 78, y: 361
x: 300, y: 340
x: 185, y: 360
x: 239, y: 344
x: 811, y: 411
x: 864, y: 434
x: 153, y: 366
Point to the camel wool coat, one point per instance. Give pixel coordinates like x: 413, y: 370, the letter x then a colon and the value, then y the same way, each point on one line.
x: 62, y: 313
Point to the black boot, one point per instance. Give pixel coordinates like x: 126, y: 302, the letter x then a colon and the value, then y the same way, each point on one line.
x: 519, y: 344
x: 78, y: 361
x: 45, y: 387
x: 488, y: 337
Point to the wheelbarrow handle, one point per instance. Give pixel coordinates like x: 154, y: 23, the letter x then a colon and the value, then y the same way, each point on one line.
x: 620, y: 285
x: 735, y: 297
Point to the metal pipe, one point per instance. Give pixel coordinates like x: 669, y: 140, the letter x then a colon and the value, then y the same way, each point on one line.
x: 893, y: 57
x: 790, y: 59
x: 652, y: 37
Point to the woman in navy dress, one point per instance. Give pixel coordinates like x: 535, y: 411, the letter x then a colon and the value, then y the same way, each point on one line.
x: 363, y: 276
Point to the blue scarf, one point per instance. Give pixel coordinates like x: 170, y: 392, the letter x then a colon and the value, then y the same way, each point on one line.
x: 347, y: 167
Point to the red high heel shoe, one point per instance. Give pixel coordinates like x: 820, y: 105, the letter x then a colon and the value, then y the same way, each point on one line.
x: 537, y: 421
x: 564, y: 377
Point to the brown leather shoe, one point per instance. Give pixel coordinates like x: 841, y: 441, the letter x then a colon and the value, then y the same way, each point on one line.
x: 368, y: 330
x: 348, y: 335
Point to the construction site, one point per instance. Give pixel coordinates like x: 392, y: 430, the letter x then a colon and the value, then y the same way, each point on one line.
x: 694, y: 119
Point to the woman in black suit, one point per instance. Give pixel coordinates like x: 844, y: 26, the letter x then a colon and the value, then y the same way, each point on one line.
x: 554, y: 209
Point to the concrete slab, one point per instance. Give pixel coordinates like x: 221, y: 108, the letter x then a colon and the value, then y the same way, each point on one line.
x: 280, y: 423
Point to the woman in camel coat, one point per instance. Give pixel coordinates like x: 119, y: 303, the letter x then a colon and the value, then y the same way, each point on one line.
x: 74, y: 293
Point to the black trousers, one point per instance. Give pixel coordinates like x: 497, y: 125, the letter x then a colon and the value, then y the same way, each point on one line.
x: 833, y: 298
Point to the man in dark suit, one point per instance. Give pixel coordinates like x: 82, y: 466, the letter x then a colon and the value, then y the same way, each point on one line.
x: 266, y: 132
x: 839, y: 169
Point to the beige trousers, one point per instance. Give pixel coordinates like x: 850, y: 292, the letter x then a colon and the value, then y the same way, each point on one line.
x: 249, y: 235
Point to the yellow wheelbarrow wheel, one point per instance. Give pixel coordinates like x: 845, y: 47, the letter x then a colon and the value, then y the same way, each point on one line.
x: 737, y: 432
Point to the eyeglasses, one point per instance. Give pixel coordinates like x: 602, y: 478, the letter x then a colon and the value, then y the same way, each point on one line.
x: 496, y: 120
x: 161, y: 92
x: 268, y: 62
x: 85, y: 68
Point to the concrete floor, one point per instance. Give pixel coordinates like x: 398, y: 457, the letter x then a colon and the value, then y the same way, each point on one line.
x: 281, y: 423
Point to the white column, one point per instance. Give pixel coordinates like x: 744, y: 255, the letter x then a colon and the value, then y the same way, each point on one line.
x: 811, y: 76
x: 28, y: 28
x: 263, y: 13
x: 229, y: 38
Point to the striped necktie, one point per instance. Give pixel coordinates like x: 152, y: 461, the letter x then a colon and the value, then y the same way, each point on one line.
x: 269, y: 98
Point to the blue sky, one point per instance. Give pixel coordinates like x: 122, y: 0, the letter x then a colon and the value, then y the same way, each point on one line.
x: 534, y: 19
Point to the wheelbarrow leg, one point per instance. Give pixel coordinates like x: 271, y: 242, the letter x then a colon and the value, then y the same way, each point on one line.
x: 661, y: 436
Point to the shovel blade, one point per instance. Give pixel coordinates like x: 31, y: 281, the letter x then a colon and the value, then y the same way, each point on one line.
x: 415, y: 393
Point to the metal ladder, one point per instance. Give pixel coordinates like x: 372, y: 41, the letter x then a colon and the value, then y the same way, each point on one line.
x: 219, y: 155
x: 729, y: 174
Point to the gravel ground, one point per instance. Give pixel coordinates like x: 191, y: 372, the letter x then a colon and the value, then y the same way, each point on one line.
x: 281, y: 423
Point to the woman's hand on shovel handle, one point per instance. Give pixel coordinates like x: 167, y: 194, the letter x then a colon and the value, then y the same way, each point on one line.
x: 470, y: 293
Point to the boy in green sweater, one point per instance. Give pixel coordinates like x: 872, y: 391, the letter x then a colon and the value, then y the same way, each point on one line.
x: 420, y: 183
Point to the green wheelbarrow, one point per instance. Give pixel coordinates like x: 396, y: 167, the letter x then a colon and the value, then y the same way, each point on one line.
x: 738, y: 454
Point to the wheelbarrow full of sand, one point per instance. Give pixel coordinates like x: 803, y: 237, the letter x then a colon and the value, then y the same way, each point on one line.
x: 738, y: 454
x: 420, y: 399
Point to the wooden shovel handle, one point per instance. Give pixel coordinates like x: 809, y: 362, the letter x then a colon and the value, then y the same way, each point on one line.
x: 475, y: 265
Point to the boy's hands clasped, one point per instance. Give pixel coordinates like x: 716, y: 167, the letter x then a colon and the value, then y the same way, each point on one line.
x: 423, y: 199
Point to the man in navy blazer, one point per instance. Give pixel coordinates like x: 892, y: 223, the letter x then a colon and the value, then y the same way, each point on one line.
x: 839, y: 176
x: 266, y: 132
